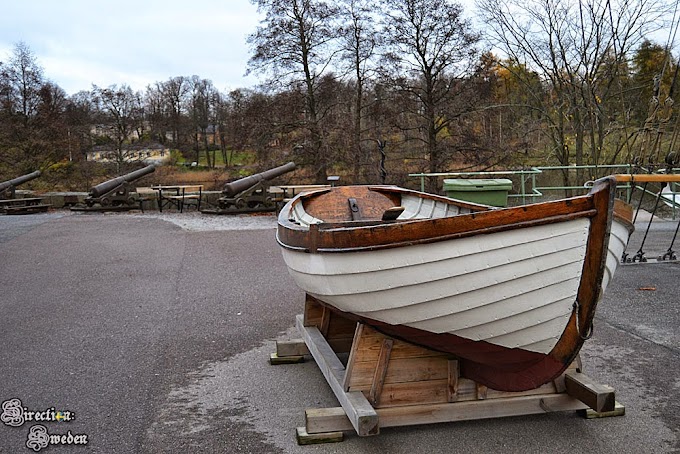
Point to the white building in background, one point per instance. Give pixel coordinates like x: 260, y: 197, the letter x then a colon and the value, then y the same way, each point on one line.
x: 149, y: 154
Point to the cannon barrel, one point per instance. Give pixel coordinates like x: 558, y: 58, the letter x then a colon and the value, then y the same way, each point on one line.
x: 19, y: 180
x: 110, y: 185
x: 238, y: 186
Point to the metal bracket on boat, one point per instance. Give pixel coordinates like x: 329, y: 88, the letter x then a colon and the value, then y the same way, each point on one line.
x: 354, y: 208
x: 576, y: 307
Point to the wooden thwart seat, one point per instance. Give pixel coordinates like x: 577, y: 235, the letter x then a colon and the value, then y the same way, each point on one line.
x: 393, y: 213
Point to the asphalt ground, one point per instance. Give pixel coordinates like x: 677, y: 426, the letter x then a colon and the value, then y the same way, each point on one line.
x: 156, y: 338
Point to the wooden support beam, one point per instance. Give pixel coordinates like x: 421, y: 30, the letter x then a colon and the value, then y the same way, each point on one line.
x: 600, y: 398
x: 589, y: 413
x: 295, y: 347
x: 358, y: 330
x: 336, y: 329
x: 322, y: 420
x: 276, y: 360
x: 482, y: 391
x: 334, y: 419
x: 380, y: 372
x: 410, y: 385
x: 325, y: 321
x: 452, y: 386
x: 304, y: 438
x: 361, y: 414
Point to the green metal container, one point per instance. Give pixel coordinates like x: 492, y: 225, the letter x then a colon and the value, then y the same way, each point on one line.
x: 492, y: 191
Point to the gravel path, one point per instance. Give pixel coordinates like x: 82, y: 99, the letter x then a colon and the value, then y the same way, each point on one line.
x: 195, y: 221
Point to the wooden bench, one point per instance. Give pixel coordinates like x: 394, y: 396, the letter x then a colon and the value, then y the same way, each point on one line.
x: 181, y: 195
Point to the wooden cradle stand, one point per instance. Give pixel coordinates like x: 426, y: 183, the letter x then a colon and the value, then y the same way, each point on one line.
x: 380, y: 382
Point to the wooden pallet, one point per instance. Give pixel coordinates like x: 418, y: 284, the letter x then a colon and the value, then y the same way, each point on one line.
x: 387, y: 382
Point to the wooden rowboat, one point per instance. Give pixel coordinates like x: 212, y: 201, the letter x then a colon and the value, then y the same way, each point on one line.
x: 510, y: 292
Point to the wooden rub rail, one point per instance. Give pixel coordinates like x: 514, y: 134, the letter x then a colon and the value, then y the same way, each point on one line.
x: 387, y: 382
x: 647, y: 178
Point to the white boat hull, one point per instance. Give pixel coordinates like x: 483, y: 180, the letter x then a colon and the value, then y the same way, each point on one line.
x: 515, y: 289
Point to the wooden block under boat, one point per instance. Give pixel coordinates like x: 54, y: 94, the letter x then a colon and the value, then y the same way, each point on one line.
x: 600, y: 398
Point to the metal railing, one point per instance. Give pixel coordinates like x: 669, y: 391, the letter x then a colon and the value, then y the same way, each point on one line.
x: 530, y: 190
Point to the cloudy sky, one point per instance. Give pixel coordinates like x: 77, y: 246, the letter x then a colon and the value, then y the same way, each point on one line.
x: 79, y: 43
x: 136, y: 42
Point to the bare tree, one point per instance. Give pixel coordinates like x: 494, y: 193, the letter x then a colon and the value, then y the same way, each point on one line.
x: 157, y: 112
x: 235, y: 127
x: 201, y: 107
x: 25, y: 78
x: 360, y: 39
x: 32, y: 132
x: 175, y: 91
x: 79, y: 115
x: 430, y: 47
x: 120, y: 112
x: 51, y: 131
x: 293, y: 47
x: 578, y: 48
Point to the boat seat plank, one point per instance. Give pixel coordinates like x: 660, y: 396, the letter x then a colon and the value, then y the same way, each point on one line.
x: 392, y: 214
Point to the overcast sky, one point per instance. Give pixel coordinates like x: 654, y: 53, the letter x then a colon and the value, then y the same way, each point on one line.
x: 136, y: 42
x: 79, y: 43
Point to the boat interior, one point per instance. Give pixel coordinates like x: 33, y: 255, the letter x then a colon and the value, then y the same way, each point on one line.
x: 358, y: 205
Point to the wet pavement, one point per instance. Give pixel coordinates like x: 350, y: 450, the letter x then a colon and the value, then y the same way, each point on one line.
x: 155, y: 333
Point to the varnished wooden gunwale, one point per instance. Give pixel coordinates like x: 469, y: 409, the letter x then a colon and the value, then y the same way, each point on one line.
x: 647, y: 178
x: 375, y: 234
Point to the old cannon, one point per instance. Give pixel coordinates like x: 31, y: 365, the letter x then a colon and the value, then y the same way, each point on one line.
x: 7, y: 188
x: 10, y: 204
x: 250, y: 194
x: 115, y: 194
